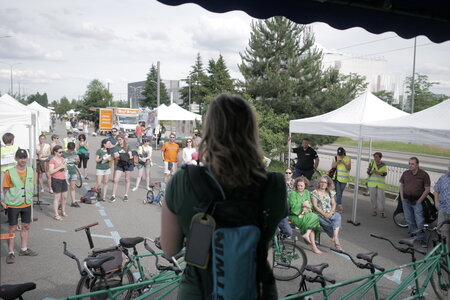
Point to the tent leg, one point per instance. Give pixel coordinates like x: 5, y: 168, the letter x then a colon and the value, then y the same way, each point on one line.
x: 289, y: 149
x: 355, y: 199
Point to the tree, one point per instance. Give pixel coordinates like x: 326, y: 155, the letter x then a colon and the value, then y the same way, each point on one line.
x: 197, y: 83
x: 96, y: 96
x: 63, y: 107
x: 150, y: 90
x: 41, y: 99
x: 423, y: 97
x: 218, y: 81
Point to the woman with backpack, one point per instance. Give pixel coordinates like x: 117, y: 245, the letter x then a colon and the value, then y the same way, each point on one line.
x: 122, y: 153
x: 233, y: 157
x: 103, y: 168
x: 144, y: 163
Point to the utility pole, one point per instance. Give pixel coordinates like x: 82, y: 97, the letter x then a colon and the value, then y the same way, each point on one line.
x: 413, y: 77
x: 189, y: 92
x: 158, y: 82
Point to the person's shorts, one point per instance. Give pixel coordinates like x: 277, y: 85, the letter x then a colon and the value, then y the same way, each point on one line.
x: 100, y: 172
x: 125, y: 169
x: 442, y: 216
x: 42, y: 166
x: 13, y: 215
x: 168, y: 169
x: 146, y: 165
x: 73, y: 177
x: 59, y: 185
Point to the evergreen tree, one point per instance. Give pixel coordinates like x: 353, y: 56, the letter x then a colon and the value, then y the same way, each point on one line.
x: 63, y: 107
x: 219, y: 80
x: 96, y: 96
x: 197, y: 82
x: 150, y: 90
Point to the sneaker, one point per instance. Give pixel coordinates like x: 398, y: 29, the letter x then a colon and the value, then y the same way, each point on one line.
x: 125, y: 198
x: 75, y: 204
x: 423, y: 244
x: 134, y: 189
x: 112, y: 199
x: 28, y: 252
x: 11, y: 258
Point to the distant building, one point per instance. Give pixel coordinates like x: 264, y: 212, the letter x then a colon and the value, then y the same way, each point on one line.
x: 135, y: 90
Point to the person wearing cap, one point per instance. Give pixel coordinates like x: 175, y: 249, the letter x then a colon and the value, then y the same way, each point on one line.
x: 68, y: 139
x: 343, y: 165
x: 18, y: 189
x: 377, y: 172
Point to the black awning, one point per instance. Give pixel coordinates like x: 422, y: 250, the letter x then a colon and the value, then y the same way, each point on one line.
x: 407, y: 18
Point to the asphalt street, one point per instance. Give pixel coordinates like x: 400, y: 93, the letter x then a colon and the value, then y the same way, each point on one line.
x: 56, y: 275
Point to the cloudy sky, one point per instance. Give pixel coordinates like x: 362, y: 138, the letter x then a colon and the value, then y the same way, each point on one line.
x: 58, y: 47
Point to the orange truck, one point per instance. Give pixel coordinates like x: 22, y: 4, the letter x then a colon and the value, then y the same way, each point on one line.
x: 126, y: 119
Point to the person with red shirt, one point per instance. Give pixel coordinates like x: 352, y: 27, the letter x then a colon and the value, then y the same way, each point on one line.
x: 140, y: 132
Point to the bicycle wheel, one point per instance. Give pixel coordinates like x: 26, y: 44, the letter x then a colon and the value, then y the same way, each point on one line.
x: 87, y: 285
x: 399, y: 220
x: 441, y: 284
x: 288, y: 262
x: 149, y: 198
x: 79, y: 182
x: 161, y: 198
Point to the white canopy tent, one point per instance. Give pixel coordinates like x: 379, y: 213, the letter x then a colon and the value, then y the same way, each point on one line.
x: 347, y: 121
x: 44, y: 116
x: 181, y: 116
x: 429, y: 126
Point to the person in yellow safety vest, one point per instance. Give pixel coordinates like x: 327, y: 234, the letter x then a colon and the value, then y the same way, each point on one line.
x: 7, y: 153
x: 343, y: 165
x: 377, y: 172
x: 18, y: 188
x: 68, y: 139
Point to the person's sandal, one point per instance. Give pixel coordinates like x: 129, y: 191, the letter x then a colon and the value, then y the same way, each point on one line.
x: 64, y: 214
x: 338, y: 246
x: 58, y: 218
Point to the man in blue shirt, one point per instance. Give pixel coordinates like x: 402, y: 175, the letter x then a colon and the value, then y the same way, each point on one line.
x: 442, y: 200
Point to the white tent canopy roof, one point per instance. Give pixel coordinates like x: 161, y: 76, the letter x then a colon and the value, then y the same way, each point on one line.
x: 429, y: 126
x: 347, y: 120
x: 174, y: 112
x: 44, y: 116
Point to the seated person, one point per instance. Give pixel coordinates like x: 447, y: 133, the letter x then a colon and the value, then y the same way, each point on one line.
x: 301, y: 214
x: 325, y: 206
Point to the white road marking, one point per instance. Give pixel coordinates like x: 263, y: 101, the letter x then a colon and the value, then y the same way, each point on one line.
x: 396, y: 277
x: 54, y: 230
x: 108, y: 223
x: 102, y: 236
x: 102, y: 212
x: 115, y: 235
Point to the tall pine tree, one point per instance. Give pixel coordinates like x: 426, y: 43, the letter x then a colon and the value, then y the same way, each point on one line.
x: 196, y: 83
x: 150, y: 90
x: 219, y: 80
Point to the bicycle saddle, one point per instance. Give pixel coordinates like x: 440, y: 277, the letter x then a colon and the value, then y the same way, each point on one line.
x: 13, y: 291
x: 96, y: 262
x: 130, y: 242
x: 317, y: 268
x: 409, y: 242
x: 367, y: 256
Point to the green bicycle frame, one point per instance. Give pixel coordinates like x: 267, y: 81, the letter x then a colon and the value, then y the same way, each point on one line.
x: 429, y: 263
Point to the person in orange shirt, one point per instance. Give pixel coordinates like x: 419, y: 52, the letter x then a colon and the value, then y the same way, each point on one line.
x: 140, y: 132
x: 18, y: 188
x: 169, y: 152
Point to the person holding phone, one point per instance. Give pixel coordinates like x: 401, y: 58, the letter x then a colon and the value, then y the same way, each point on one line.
x: 343, y: 165
x: 57, y: 170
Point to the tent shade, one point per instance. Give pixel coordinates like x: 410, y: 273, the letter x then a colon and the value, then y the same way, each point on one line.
x: 405, y: 17
x: 174, y: 112
x: 347, y: 120
x: 429, y: 126
x: 44, y: 116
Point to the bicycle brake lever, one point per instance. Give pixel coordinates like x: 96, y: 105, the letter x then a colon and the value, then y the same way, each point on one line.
x: 332, y: 281
x: 378, y: 267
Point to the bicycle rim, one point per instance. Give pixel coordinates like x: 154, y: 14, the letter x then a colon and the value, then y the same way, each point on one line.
x: 149, y: 198
x: 290, y: 255
x: 79, y: 182
x: 87, y: 285
x: 399, y: 220
x: 441, y: 284
x: 161, y: 199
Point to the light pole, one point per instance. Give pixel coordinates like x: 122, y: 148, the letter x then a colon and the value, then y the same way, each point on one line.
x: 11, y: 68
x: 189, y: 92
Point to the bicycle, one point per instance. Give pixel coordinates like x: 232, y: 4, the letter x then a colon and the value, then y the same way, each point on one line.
x: 288, y: 260
x: 303, y: 290
x: 398, y: 215
x: 155, y: 194
x: 79, y: 181
x: 108, y: 271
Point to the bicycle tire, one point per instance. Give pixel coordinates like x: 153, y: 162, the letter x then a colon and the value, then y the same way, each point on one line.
x: 441, y: 289
x: 86, y: 285
x: 399, y: 220
x: 79, y: 182
x: 149, y: 198
x: 161, y: 198
x: 291, y: 255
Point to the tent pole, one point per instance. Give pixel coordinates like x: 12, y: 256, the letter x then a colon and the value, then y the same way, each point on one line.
x: 355, y: 199
x: 289, y: 149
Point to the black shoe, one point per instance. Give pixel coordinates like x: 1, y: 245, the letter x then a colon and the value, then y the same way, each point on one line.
x: 75, y: 204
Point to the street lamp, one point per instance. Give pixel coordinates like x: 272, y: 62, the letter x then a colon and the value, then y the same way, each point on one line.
x: 11, y: 68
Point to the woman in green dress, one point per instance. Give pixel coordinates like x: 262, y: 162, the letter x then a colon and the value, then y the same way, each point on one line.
x: 300, y: 212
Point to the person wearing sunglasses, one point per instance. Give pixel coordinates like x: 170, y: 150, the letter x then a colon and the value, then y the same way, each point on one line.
x: 169, y: 152
x: 187, y: 152
x: 57, y: 170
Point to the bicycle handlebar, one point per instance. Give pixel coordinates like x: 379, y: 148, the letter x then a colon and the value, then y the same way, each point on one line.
x: 409, y: 250
x: 86, y: 226
x: 173, y: 260
x: 72, y: 256
x: 367, y: 265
